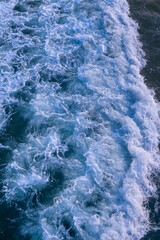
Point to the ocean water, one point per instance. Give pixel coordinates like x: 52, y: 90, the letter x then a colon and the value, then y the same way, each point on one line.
x: 79, y: 128
x: 146, y: 13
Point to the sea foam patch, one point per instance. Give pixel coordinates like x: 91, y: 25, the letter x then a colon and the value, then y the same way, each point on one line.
x: 80, y: 125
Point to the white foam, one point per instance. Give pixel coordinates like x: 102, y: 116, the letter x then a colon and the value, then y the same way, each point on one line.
x: 98, y: 133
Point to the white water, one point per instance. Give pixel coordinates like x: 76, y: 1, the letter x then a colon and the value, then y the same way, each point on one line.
x: 90, y: 138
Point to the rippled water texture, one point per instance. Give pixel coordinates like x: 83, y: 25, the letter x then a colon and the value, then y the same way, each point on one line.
x: 78, y: 133
x: 147, y: 14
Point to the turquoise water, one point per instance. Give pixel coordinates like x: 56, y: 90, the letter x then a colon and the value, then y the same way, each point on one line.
x: 79, y: 128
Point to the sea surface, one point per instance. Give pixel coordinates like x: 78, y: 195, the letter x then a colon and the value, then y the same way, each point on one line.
x: 79, y: 128
x: 147, y: 14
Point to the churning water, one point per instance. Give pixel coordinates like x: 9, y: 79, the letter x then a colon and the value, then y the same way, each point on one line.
x: 79, y: 128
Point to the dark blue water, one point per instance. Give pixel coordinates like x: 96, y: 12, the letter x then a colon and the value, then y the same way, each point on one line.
x: 79, y: 127
x: 147, y: 14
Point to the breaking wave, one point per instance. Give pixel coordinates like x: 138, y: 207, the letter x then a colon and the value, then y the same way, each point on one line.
x: 79, y: 128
